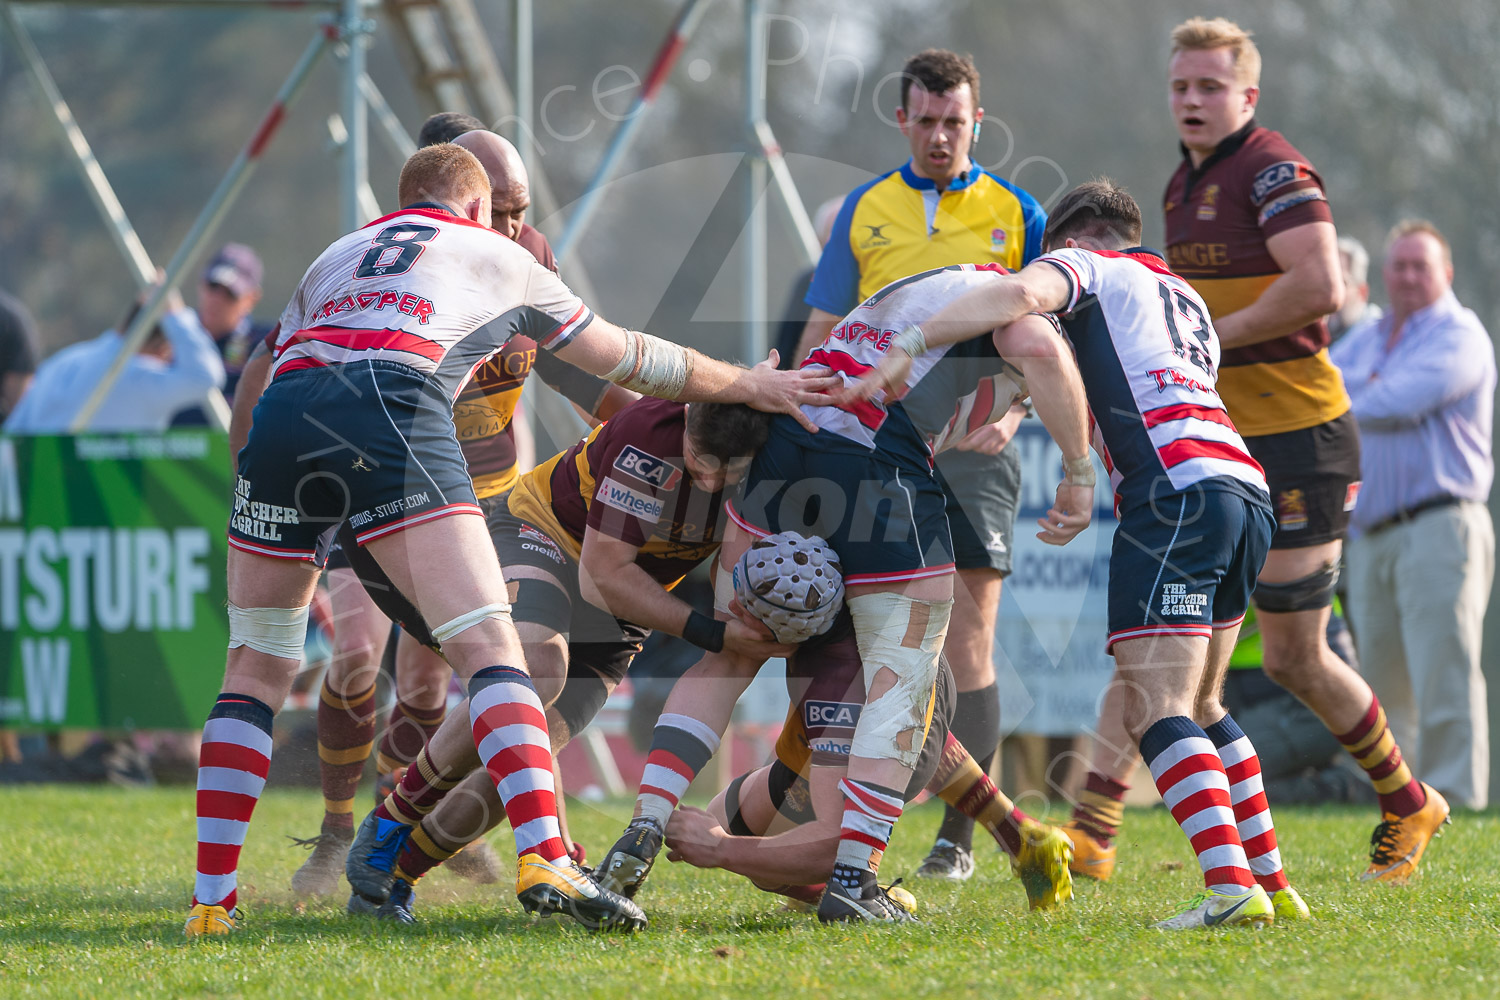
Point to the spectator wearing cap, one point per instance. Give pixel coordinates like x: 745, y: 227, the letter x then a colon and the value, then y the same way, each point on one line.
x: 227, y: 294
x: 1422, y: 555
x: 17, y: 353
x: 177, y: 365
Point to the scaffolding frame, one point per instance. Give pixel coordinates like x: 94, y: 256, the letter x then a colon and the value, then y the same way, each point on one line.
x: 347, y: 27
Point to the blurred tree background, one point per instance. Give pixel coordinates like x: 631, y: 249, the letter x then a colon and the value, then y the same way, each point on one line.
x: 1394, y: 103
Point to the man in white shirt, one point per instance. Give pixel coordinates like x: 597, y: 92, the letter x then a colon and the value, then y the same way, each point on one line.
x: 175, y: 367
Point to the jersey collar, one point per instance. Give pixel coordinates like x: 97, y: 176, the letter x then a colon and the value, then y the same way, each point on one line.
x: 1226, y: 148
x: 920, y: 183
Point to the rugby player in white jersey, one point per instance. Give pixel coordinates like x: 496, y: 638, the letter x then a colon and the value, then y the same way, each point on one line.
x: 866, y: 486
x: 1195, y: 523
x: 381, y: 334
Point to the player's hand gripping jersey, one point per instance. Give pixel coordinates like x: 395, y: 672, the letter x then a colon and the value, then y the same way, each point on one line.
x: 427, y: 289
x: 1149, y: 355
x: 981, y: 391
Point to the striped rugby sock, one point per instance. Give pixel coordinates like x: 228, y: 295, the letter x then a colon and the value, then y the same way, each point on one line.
x: 680, y: 747
x: 1100, y: 808
x: 963, y: 784
x: 420, y: 790
x: 870, y: 813
x: 406, y: 733
x: 1192, y: 782
x: 1252, y: 813
x: 346, y: 730
x: 232, y: 768
x: 510, y: 732
x: 1373, y: 746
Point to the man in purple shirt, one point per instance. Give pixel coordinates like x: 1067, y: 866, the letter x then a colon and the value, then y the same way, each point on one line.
x: 1422, y: 551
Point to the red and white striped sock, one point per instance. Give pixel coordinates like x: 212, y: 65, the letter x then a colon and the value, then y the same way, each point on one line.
x: 1252, y: 813
x: 232, y: 766
x: 510, y: 732
x: 680, y: 747
x: 870, y: 813
x: 1192, y: 782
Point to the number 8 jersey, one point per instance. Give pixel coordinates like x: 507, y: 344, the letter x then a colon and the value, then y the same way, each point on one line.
x: 421, y: 287
x: 1149, y: 355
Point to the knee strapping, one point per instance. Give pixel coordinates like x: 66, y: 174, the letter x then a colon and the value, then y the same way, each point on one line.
x: 448, y: 630
x: 273, y: 631
x: 1311, y: 593
x: 904, y: 637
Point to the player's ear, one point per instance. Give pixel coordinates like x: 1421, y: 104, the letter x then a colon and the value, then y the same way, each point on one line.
x: 1252, y: 97
x: 478, y: 210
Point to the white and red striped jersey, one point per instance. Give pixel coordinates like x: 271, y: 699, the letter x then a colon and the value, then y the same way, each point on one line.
x: 1149, y: 358
x: 425, y: 288
x: 950, y: 391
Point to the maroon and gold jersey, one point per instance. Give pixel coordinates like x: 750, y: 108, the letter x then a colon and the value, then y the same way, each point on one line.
x: 485, y: 409
x: 1219, y: 217
x: 627, y: 480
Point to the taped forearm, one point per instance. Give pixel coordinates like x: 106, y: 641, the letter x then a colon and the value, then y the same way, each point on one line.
x: 652, y: 366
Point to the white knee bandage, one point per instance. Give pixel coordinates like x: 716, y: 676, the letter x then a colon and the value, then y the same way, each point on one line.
x: 448, y: 630
x: 273, y: 631
x: 903, y: 636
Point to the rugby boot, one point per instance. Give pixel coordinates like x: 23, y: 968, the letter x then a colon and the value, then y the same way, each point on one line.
x: 477, y: 863
x: 1399, y: 841
x: 1091, y: 859
x: 1210, y: 908
x: 626, y: 864
x: 1046, y: 853
x: 947, y: 860
x: 319, y: 874
x: 371, y: 862
x: 869, y: 903
x: 397, y: 906
x: 544, y: 889
x: 1289, y: 906
x: 208, y: 921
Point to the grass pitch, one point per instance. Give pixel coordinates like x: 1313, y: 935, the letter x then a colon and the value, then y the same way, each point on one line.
x: 96, y: 884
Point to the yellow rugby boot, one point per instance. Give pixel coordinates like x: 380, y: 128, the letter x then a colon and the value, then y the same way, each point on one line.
x: 544, y: 889
x: 1046, y: 855
x: 206, y: 921
x: 1091, y: 859
x: 1289, y: 906
x: 1399, y: 841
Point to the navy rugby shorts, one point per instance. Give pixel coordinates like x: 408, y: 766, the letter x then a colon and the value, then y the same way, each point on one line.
x: 886, y: 522
x: 1185, y: 563
x: 370, y: 442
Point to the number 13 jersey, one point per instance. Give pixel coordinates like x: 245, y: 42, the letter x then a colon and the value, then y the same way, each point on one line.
x: 1149, y: 355
x: 421, y: 287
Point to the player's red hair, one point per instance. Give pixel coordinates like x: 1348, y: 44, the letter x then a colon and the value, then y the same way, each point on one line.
x: 443, y: 173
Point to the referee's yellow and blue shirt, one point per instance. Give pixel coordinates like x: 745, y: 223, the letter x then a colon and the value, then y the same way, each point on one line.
x: 900, y: 224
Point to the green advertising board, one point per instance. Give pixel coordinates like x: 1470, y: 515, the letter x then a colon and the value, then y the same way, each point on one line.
x: 112, y: 554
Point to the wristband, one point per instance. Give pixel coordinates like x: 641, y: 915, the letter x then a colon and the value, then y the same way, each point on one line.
x: 704, y: 632
x: 1079, y: 471
x: 911, y: 340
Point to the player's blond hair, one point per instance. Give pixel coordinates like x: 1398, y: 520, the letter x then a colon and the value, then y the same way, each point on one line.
x: 1200, y: 34
x: 1407, y: 227
x: 444, y: 173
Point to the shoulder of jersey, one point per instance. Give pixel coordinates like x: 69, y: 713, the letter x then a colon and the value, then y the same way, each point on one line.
x: 1025, y: 197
